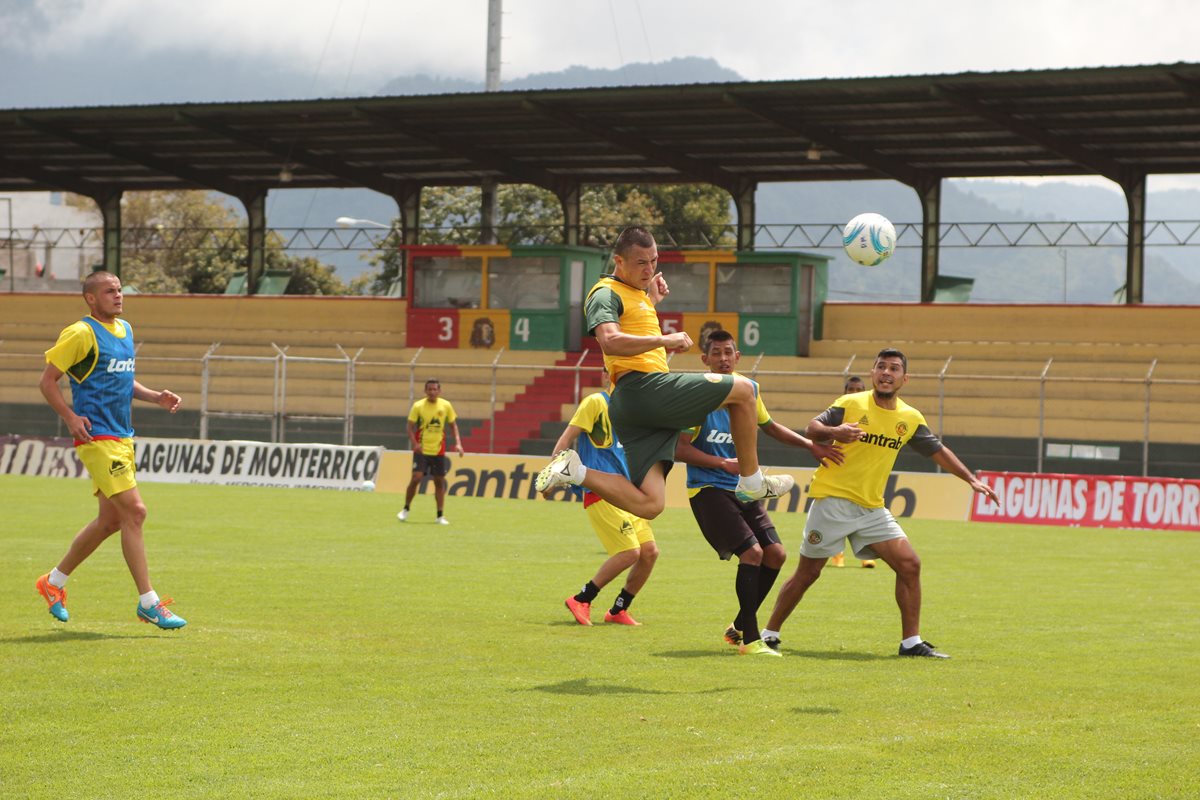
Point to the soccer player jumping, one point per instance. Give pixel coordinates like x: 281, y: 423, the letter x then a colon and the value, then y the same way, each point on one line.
x: 650, y: 405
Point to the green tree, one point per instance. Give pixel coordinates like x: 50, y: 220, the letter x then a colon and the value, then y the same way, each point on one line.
x: 310, y: 276
x: 687, y: 214
x: 191, y: 242
x: 179, y: 241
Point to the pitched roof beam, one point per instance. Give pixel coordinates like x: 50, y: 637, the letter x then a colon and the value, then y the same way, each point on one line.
x: 820, y: 135
x: 481, y: 156
x: 1056, y: 144
x: 22, y: 167
x: 134, y: 156
x: 291, y: 154
x: 692, y: 169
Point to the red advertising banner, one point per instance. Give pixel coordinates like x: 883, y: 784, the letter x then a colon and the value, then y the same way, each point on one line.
x: 1094, y: 501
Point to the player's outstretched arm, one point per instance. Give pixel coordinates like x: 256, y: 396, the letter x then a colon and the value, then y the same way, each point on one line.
x: 166, y: 398
x: 568, y: 439
x: 688, y: 453
x: 946, y: 459
x: 821, y: 452
x: 846, y: 432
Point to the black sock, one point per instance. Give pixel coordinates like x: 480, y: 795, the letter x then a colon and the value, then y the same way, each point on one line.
x: 406, y: 508
x: 746, y: 586
x: 622, y: 603
x: 440, y: 513
x: 588, y: 593
x: 766, y: 579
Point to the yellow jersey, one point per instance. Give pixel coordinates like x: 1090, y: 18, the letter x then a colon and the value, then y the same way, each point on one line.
x: 610, y: 300
x: 869, y: 461
x: 431, y: 420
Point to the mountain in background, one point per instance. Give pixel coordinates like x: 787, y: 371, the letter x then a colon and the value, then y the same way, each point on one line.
x: 1028, y: 273
x: 674, y: 71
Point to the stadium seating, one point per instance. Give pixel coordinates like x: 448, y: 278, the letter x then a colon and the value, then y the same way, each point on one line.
x: 175, y: 332
x: 976, y: 373
x: 976, y: 370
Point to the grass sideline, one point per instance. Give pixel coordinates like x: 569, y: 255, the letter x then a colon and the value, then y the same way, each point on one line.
x: 333, y: 652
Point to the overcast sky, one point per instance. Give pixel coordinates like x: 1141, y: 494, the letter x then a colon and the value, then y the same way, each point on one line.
x: 103, y: 52
x: 362, y: 43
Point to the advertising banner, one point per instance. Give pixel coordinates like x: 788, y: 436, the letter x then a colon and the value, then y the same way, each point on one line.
x: 916, y: 495
x: 234, y: 463
x: 1097, y: 501
x: 39, y: 455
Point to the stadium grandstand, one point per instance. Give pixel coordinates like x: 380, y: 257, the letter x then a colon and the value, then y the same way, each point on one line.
x: 1045, y: 388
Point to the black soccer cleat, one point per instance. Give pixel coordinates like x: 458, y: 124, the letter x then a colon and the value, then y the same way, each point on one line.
x: 922, y: 649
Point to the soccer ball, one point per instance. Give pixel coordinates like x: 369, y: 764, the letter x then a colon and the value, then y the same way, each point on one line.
x: 869, y: 239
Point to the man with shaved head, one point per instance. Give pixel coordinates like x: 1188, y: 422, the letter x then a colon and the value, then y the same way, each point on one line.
x: 97, y: 353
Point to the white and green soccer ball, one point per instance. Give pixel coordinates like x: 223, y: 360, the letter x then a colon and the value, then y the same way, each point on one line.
x: 869, y: 239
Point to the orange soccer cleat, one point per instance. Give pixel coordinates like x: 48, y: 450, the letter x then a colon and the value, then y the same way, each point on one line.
x: 582, y: 611
x: 55, y: 597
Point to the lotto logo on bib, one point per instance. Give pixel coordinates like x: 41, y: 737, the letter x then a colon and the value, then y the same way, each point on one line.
x: 815, y: 537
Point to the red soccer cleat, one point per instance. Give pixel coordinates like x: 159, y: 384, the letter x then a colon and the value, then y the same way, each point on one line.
x: 621, y: 618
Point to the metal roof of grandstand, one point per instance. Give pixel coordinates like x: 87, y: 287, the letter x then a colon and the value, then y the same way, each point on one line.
x: 1121, y: 122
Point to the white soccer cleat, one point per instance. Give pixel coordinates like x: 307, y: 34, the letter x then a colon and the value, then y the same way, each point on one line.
x: 565, y: 469
x: 403, y: 515
x: 772, y: 486
x: 443, y: 521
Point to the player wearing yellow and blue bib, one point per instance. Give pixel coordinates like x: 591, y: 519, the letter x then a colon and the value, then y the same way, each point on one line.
x: 628, y: 539
x: 97, y: 354
x: 848, y: 498
x: 730, y: 525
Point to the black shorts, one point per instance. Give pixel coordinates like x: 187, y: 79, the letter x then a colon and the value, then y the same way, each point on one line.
x: 435, y: 465
x: 730, y: 525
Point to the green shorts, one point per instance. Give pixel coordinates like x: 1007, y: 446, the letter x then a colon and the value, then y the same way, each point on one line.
x: 649, y: 409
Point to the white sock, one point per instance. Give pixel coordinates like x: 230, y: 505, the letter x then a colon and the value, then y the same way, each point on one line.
x: 911, y: 641
x: 751, y: 483
x: 149, y: 599
x: 58, y: 579
x: 769, y: 634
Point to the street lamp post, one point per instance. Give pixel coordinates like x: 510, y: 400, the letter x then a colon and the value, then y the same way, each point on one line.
x: 12, y: 256
x: 1063, y: 255
x: 350, y: 222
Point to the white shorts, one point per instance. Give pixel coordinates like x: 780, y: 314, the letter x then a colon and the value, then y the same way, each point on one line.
x: 833, y: 519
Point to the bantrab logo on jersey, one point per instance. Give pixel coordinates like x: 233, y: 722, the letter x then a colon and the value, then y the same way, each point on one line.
x: 125, y: 365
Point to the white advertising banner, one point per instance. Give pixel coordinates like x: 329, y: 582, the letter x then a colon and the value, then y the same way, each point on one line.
x: 233, y: 463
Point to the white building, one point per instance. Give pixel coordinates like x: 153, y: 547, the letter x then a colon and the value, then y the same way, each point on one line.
x: 48, y: 241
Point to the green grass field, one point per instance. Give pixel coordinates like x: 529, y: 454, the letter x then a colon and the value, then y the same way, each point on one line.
x: 333, y: 652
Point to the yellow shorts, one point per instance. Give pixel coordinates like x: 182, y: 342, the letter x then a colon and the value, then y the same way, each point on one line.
x: 111, y: 464
x: 618, y: 530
